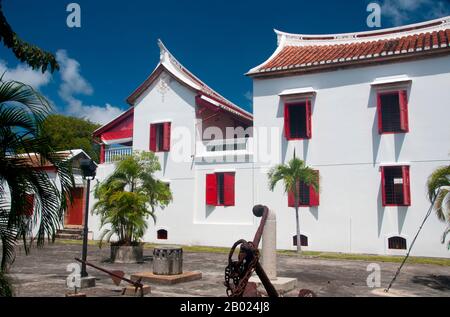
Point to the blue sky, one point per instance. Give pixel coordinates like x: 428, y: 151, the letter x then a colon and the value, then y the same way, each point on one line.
x: 218, y: 40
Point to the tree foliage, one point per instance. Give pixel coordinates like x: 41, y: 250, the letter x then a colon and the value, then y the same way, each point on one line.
x: 22, y: 150
x: 439, y: 192
x: 129, y: 197
x: 291, y: 175
x: 68, y: 133
x: 25, y: 52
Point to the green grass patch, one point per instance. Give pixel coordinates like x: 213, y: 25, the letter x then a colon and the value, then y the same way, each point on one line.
x: 369, y: 258
x: 305, y: 254
x: 194, y: 249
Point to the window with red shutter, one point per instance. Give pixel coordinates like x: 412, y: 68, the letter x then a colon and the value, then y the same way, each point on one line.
x: 307, y: 196
x: 383, y: 186
x: 380, y: 120
x: 308, y: 119
x: 211, y: 190
x: 29, y: 205
x: 404, y: 120
x: 291, y: 199
x: 166, y: 137
x: 160, y: 137
x: 153, y: 138
x: 393, y: 112
x: 102, y: 153
x: 287, y: 123
x: 395, y: 184
x: 314, y: 195
x: 228, y: 189
x: 220, y: 189
x: 406, y: 186
x: 297, y: 120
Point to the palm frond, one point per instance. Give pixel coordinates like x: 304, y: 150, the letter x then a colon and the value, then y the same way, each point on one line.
x: 442, y: 205
x: 440, y: 178
x: 8, y: 235
x: 22, y: 151
x: 291, y: 174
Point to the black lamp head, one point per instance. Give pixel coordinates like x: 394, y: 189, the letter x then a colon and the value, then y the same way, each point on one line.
x: 88, y: 168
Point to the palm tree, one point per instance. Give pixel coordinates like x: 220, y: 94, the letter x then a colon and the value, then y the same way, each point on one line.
x: 129, y: 196
x: 439, y: 193
x: 22, y: 152
x: 292, y: 174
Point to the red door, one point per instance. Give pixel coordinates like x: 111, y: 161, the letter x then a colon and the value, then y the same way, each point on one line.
x: 74, y: 215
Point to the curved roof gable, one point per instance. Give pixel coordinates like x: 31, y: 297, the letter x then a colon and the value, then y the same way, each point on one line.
x: 299, y: 52
x: 171, y: 65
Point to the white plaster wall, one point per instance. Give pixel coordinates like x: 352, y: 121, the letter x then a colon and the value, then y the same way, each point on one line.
x: 192, y: 222
x: 103, y: 172
x: 346, y: 148
x: 176, y: 105
x: 348, y: 151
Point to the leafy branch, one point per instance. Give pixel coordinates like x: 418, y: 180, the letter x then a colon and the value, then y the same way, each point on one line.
x: 25, y: 52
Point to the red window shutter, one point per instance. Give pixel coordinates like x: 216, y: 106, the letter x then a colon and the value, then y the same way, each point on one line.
x: 404, y: 121
x: 29, y: 205
x: 383, y: 187
x: 308, y: 119
x: 166, y: 136
x: 228, y: 185
x: 291, y: 199
x: 314, y: 197
x: 380, y: 117
x: 211, y: 190
x: 287, y: 127
x: 406, y: 186
x: 153, y: 137
x: 102, y: 153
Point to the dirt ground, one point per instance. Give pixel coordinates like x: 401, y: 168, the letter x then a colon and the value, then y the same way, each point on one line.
x: 43, y: 273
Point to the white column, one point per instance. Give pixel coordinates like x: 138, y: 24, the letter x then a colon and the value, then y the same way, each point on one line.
x: 269, y: 246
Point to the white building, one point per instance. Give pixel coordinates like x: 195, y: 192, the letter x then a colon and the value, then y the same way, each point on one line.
x: 369, y: 111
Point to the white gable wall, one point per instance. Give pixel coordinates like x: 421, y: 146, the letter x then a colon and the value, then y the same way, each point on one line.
x: 187, y: 219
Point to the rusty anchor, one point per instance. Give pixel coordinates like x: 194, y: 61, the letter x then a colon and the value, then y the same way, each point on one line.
x: 238, y: 273
x: 117, y: 277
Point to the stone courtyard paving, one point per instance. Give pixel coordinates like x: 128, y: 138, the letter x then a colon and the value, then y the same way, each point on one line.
x: 43, y: 273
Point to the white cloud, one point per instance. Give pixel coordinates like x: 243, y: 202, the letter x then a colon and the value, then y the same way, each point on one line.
x: 25, y: 74
x: 399, y: 11
x: 73, y: 83
x: 249, y: 96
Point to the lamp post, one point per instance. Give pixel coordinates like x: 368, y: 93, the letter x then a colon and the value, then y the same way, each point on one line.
x: 88, y: 170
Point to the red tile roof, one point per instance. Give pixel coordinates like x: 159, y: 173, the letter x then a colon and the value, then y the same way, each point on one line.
x: 297, y: 53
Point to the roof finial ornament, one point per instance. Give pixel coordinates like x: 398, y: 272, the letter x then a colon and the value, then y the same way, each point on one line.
x: 162, y: 51
x: 281, y: 37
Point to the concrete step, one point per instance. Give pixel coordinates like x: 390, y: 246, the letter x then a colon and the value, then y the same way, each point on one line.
x: 68, y: 236
x: 70, y: 231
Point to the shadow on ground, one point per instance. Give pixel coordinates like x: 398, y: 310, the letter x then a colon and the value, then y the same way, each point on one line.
x: 437, y: 282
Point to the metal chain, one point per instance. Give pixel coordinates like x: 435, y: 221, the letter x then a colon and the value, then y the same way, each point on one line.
x: 240, y: 271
